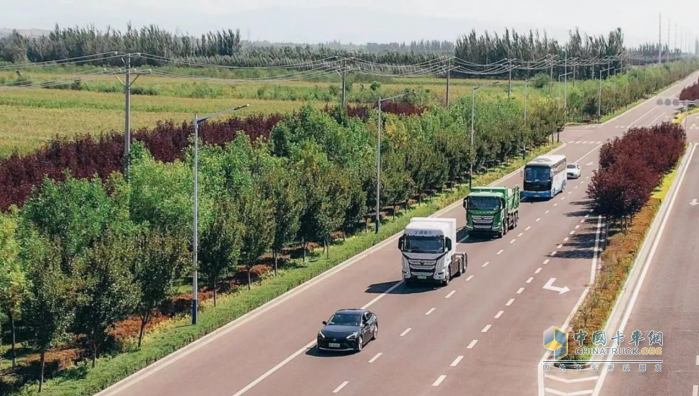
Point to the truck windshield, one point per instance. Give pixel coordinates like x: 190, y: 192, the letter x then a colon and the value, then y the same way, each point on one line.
x: 534, y: 173
x: 416, y: 244
x: 484, y: 203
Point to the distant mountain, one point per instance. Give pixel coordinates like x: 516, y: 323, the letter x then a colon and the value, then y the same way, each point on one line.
x: 24, y: 32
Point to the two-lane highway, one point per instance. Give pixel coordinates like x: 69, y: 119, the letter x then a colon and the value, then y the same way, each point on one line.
x: 482, y: 332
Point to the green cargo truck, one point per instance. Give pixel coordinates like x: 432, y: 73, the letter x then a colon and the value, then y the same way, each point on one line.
x: 492, y: 210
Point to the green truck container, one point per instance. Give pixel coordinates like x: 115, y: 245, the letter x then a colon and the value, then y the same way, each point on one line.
x: 492, y: 210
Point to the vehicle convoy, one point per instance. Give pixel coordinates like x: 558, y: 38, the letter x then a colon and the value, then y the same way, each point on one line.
x: 492, y: 210
x: 428, y: 249
x: 545, y: 176
x: 348, y: 330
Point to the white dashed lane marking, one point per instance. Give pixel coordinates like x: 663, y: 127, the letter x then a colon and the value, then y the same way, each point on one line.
x: 456, y: 361
x: 499, y: 314
x: 339, y: 388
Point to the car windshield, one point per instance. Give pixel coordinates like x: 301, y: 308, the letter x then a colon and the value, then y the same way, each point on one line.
x: 415, y: 244
x: 345, y: 319
x: 535, y: 173
x: 572, y: 166
x: 484, y: 203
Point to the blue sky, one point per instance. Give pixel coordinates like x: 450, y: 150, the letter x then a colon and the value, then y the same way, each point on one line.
x: 360, y: 21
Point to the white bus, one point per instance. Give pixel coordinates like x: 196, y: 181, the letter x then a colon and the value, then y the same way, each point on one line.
x: 545, y: 176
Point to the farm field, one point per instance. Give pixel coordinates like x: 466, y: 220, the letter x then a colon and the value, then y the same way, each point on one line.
x: 30, y: 116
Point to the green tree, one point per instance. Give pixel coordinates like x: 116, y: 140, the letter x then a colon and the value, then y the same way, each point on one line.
x: 47, y: 310
x: 76, y: 213
x: 220, y: 244
x: 282, y: 190
x: 12, y: 277
x: 257, y: 215
x: 160, y: 259
x: 107, y: 292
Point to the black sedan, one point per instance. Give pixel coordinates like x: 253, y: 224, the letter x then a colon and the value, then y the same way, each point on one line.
x: 348, y: 330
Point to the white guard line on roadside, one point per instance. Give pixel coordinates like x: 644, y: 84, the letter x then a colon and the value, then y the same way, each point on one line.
x: 220, y: 332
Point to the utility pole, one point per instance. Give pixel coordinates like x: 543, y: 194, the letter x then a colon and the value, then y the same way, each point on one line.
x: 575, y: 63
x: 660, y: 41
x: 343, y: 72
x: 675, y: 37
x: 509, y: 84
x: 448, y: 81
x: 565, y: 93
x: 551, y: 77
x: 668, y: 40
x: 127, y: 83
x: 524, y: 143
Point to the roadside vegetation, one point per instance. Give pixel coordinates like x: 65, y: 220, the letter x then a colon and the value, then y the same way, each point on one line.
x: 627, y: 190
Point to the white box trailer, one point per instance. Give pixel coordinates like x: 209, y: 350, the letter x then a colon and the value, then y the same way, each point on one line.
x: 428, y: 250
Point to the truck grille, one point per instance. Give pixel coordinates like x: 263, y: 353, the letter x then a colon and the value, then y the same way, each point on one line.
x: 482, y: 219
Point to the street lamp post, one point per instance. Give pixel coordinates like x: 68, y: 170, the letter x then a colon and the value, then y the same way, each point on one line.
x: 195, y: 237
x: 473, y: 119
x: 378, y: 159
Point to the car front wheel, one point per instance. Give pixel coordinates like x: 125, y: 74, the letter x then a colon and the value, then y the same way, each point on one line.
x: 376, y: 332
x: 360, y: 344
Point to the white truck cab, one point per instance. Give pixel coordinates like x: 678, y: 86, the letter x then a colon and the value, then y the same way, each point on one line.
x: 428, y: 250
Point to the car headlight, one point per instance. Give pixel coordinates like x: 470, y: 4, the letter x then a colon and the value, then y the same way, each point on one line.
x: 321, y: 335
x: 352, y: 336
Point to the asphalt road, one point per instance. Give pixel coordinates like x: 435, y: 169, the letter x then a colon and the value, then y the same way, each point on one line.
x: 482, y: 333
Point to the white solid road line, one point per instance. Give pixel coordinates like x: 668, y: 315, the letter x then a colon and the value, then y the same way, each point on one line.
x: 499, y: 314
x: 695, y: 390
x: 456, y: 361
x: 531, y: 278
x: 469, y: 278
x: 485, y: 329
x: 439, y: 380
x: 405, y: 332
x: 339, y: 388
x: 521, y: 289
x: 538, y: 270
x: 430, y: 311
x: 484, y: 265
x: 510, y: 302
x: 697, y: 363
x: 648, y: 260
x: 472, y: 344
x: 378, y: 355
x: 451, y: 293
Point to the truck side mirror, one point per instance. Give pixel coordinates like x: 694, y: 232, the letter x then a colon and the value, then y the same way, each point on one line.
x: 465, y: 203
x: 448, y: 244
x: 401, y: 242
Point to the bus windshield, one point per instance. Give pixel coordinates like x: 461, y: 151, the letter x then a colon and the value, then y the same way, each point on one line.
x: 484, y: 203
x: 416, y: 244
x: 532, y: 173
